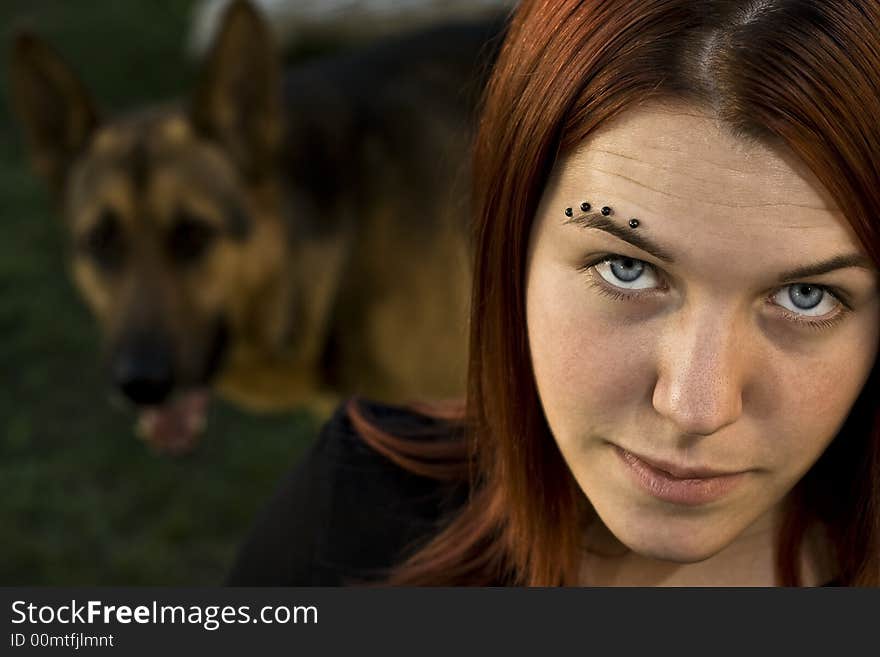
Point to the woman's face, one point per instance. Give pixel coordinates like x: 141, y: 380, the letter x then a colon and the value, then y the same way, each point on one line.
x: 722, y: 356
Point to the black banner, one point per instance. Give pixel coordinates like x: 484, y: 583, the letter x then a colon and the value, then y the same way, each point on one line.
x: 131, y: 621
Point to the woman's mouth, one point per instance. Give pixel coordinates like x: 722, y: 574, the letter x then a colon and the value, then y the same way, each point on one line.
x: 689, y: 487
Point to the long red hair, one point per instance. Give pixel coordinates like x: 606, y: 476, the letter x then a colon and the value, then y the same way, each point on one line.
x: 799, y: 73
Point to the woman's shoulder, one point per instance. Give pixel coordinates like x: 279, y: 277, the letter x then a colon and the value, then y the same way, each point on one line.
x: 351, y: 508
x: 376, y: 449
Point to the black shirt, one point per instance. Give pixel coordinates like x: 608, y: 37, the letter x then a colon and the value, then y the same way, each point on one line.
x: 346, y: 512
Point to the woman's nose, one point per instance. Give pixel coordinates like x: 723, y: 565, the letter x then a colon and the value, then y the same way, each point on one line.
x: 701, y: 370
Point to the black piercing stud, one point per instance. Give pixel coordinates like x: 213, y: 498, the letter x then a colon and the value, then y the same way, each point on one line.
x: 585, y: 206
x: 606, y: 211
x: 633, y: 223
x: 568, y: 212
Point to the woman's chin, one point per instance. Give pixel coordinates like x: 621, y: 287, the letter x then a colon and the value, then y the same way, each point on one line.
x: 676, y: 540
x: 677, y: 552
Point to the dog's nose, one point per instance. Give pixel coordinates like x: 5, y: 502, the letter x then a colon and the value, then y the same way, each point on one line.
x: 143, y: 371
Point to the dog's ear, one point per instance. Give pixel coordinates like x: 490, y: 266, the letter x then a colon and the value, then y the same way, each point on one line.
x: 238, y: 102
x: 53, y: 106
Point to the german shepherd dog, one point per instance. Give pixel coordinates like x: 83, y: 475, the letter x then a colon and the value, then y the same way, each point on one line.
x: 278, y: 239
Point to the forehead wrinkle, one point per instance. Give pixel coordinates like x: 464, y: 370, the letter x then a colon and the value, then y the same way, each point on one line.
x: 701, y: 141
x: 661, y: 166
x: 775, y: 180
x: 735, y: 206
x: 574, y: 168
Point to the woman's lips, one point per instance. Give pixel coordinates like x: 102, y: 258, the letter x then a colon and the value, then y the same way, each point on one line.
x: 679, y: 485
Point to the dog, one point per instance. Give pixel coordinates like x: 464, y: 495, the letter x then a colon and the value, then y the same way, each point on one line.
x: 276, y: 238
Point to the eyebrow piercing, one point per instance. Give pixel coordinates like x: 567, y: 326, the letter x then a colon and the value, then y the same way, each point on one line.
x: 585, y: 207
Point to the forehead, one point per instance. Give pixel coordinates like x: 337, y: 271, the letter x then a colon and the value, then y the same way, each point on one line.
x: 692, y: 183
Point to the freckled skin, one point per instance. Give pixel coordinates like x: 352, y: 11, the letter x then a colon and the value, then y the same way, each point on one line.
x: 702, y: 370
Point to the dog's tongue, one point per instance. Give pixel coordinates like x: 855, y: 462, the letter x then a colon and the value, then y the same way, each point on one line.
x: 175, y: 427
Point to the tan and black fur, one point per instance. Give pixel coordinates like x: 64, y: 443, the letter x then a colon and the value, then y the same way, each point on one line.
x: 279, y: 238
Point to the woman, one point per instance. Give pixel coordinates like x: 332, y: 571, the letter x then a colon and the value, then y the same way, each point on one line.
x: 674, y: 322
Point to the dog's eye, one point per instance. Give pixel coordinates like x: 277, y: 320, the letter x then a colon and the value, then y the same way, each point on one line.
x: 104, y: 241
x: 189, y: 238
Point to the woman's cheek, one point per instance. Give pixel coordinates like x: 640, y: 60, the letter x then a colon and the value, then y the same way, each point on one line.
x: 588, y: 362
x: 813, y: 400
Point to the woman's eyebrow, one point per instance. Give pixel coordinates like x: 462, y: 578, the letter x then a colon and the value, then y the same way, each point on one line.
x: 601, y: 222
x: 837, y: 262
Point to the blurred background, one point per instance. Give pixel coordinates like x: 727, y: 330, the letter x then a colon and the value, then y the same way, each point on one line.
x: 82, y: 500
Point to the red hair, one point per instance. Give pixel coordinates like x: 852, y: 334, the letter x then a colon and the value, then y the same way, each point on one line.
x: 802, y: 74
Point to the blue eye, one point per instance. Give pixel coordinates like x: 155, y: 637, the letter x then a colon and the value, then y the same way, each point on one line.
x: 624, y: 272
x: 621, y: 277
x: 806, y: 297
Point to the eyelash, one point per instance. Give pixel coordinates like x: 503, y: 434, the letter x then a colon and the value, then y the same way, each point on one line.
x: 617, y: 294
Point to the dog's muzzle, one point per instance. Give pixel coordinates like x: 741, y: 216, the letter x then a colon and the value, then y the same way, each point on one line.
x: 143, y: 369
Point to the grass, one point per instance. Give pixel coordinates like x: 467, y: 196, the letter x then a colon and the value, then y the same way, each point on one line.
x: 82, y: 502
